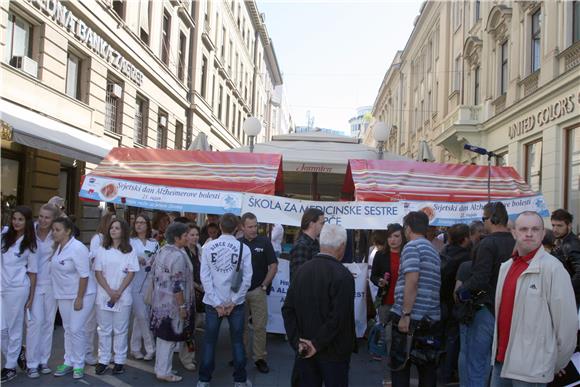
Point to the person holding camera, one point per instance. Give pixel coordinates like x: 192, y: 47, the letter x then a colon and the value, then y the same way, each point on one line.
x: 535, y: 332
x: 226, y: 275
x: 416, y: 312
x: 479, y: 291
x: 319, y: 314
x: 264, y: 268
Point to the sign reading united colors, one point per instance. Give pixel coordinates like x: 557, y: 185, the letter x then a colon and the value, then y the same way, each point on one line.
x: 83, y: 33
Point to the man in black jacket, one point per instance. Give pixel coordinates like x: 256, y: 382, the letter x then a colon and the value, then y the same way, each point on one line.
x: 306, y: 245
x: 493, y: 250
x: 319, y: 314
x: 567, y: 248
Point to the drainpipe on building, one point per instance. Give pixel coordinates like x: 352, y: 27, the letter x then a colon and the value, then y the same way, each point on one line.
x: 400, y: 120
x: 462, y: 86
x: 254, y: 88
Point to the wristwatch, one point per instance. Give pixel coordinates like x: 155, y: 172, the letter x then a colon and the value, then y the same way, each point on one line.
x: 406, y: 314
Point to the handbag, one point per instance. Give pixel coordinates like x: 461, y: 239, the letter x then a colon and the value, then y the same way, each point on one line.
x: 238, y: 274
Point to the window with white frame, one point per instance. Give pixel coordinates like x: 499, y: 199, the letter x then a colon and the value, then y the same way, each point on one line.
x: 178, y: 135
x: 141, y: 119
x: 457, y: 74
x: 204, y: 77
x: 162, y: 123
x: 575, y: 21
x: 182, y: 56
x: 165, y: 37
x: 73, y: 76
x: 477, y: 10
x: 476, y: 86
x: 18, y: 39
x: 504, y: 67
x: 114, y: 106
x: 536, y: 46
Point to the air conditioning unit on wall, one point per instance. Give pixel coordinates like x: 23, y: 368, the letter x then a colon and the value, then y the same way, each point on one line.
x: 115, y: 90
x: 25, y: 64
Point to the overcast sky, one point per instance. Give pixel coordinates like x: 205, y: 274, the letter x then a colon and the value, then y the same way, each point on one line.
x: 334, y: 54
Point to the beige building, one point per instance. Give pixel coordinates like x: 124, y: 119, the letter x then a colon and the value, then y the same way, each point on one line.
x: 503, y: 75
x: 80, y: 77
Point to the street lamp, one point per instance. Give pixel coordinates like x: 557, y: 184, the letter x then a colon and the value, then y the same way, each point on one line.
x: 252, y: 127
x: 381, y: 133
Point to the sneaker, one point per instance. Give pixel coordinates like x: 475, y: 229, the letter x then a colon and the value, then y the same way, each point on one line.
x: 43, y: 369
x: 32, y: 373
x: 21, y: 361
x: 8, y: 374
x: 78, y: 373
x: 262, y: 366
x: 100, y: 368
x: 247, y: 383
x: 137, y: 355
x: 63, y: 370
x: 202, y: 384
x: 118, y: 369
x: 190, y: 367
x: 90, y: 359
x: 149, y: 356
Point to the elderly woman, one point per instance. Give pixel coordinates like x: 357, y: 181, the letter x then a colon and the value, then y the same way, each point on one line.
x: 172, y: 302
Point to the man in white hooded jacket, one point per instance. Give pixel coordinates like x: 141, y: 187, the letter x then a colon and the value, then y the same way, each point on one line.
x: 221, y: 260
x: 537, y: 320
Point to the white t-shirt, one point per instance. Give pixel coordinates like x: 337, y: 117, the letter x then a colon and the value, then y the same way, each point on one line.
x: 115, y: 266
x: 44, y: 252
x: 67, y: 266
x: 146, y: 251
x: 16, y: 265
x: 96, y: 243
x: 277, y: 236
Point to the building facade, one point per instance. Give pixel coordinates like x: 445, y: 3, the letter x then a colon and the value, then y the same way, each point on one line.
x: 502, y: 75
x: 360, y: 123
x: 80, y: 77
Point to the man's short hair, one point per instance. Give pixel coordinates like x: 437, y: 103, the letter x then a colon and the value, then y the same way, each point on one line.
x: 228, y: 223
x: 561, y: 215
x: 417, y: 221
x: 311, y: 215
x: 248, y: 215
x: 497, y: 212
x: 458, y: 233
x: 476, y: 226
x: 332, y: 236
x: 529, y: 213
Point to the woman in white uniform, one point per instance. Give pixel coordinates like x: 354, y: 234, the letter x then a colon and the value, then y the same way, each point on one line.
x: 41, y: 324
x: 96, y: 243
x: 145, y: 247
x: 19, y: 267
x: 74, y: 289
x: 115, y: 267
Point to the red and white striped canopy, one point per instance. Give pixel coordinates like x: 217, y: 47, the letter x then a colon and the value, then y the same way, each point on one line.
x: 388, y: 180
x: 225, y: 171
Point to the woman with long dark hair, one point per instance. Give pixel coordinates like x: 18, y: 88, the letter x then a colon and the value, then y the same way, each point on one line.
x: 19, y: 268
x: 40, y: 326
x: 115, y: 267
x: 145, y: 248
x: 387, y: 261
x: 74, y: 289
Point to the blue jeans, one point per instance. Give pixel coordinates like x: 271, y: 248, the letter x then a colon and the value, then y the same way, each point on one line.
x: 212, y: 327
x: 475, y: 366
x: 498, y: 381
x: 462, y: 364
x: 313, y: 372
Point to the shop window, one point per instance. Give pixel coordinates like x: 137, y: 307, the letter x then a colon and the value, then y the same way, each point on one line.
x: 165, y: 37
x: 9, y: 190
x: 18, y: 50
x: 536, y: 32
x: 576, y: 21
x: 178, y: 135
x: 534, y: 165
x: 573, y: 172
x: 141, y: 120
x: 73, y: 76
x: 182, y: 53
x: 504, y: 68
x: 162, y: 123
x: 114, y: 106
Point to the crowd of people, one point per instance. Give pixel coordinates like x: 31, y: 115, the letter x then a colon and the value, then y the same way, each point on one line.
x: 495, y: 302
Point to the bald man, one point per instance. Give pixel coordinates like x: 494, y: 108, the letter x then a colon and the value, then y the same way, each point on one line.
x: 537, y: 320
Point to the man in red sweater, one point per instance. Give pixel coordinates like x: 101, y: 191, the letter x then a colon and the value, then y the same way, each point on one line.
x: 535, y: 332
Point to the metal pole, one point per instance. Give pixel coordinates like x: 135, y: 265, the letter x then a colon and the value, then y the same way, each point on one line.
x: 251, y: 144
x: 381, y: 145
x: 489, y: 178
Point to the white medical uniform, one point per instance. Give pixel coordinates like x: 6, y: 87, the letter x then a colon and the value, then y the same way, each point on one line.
x: 15, y: 290
x: 113, y: 322
x: 67, y: 267
x: 141, y: 314
x: 91, y: 327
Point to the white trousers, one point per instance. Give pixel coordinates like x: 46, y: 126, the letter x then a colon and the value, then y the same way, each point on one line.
x: 113, y: 327
x: 13, y: 301
x: 141, y: 329
x: 164, y: 357
x: 75, y: 337
x: 91, y: 329
x: 40, y: 328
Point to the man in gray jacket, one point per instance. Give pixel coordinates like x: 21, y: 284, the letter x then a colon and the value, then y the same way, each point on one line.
x: 536, y: 316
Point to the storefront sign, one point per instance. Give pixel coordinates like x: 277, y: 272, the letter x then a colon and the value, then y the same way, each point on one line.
x: 544, y: 116
x: 158, y: 197
x: 280, y: 285
x: 84, y: 34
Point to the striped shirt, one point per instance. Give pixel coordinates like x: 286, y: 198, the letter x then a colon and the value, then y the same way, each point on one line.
x: 420, y: 256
